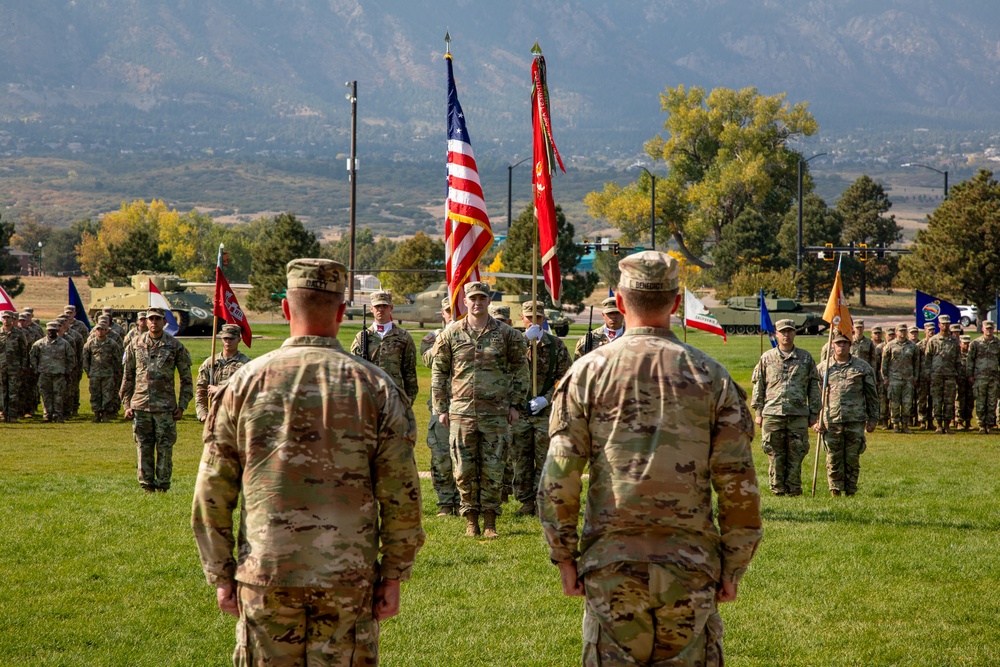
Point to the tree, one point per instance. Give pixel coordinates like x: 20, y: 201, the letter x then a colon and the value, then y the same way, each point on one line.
x: 30, y: 232
x: 750, y: 280
x: 127, y: 241
x: 369, y: 254
x: 606, y: 266
x: 750, y: 241
x: 60, y: 253
x: 187, y: 240
x: 8, y: 266
x: 727, y: 152
x: 417, y: 252
x: 862, y: 207
x: 820, y: 225
x: 282, y: 241
x: 958, y: 255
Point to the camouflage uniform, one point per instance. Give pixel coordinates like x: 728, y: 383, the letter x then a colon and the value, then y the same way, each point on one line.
x: 314, y: 520
x: 900, y: 369
x: 924, y: 402
x: 442, y: 473
x: 651, y: 556
x: 222, y: 369
x: 852, y: 400
x: 148, y: 389
x: 786, y: 394
x: 74, y: 374
x: 13, y: 358
x: 983, y: 366
x: 82, y: 334
x: 964, y: 401
x: 100, y: 361
x: 396, y: 354
x: 945, y: 359
x: 51, y: 360
x: 29, y: 381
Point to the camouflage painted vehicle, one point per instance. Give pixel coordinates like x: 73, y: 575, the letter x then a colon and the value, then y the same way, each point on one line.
x: 741, y: 315
x: 423, y: 308
x: 558, y: 322
x: 192, y: 310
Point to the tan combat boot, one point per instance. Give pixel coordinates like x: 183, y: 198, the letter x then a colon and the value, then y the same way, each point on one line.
x: 490, y: 525
x: 940, y: 428
x: 472, y: 524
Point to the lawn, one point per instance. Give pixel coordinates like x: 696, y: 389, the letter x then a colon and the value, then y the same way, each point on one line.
x: 905, y: 573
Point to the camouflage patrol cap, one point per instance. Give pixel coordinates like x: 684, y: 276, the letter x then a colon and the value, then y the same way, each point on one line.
x: 325, y: 275
x: 62, y: 319
x: 22, y: 316
x: 7, y: 313
x: 381, y: 298
x: 499, y: 311
x: 141, y: 315
x: 914, y: 329
x: 155, y: 311
x: 840, y: 338
x: 649, y: 271
x: 965, y: 339
x: 902, y: 327
x: 107, y: 310
x: 876, y: 329
x: 446, y: 303
x: 944, y: 319
x: 955, y: 328
x: 52, y: 326
x: 609, y: 305
x: 533, y: 308
x: 479, y: 288
x: 989, y: 324
x: 928, y: 325
x: 231, y: 330
x: 103, y: 318
x: 69, y: 310
x: 101, y: 325
x: 781, y: 325
x: 859, y: 323
x: 29, y: 310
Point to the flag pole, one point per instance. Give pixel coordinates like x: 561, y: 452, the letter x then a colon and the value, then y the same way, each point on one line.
x: 760, y: 307
x: 825, y: 393
x: 684, y: 324
x: 215, y: 325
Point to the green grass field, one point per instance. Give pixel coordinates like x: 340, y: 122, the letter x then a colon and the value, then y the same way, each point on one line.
x: 905, y: 573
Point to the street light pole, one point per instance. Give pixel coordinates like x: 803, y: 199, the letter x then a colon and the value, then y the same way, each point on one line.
x: 39, y: 258
x: 943, y: 173
x: 510, y: 178
x: 652, y: 209
x: 352, y: 166
x: 798, y: 251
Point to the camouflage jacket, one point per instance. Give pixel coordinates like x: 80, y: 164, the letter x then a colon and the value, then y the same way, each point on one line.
x: 52, y: 357
x: 74, y: 339
x: 852, y: 395
x: 33, y: 333
x: 427, y: 356
x: 599, y: 338
x: 900, y: 361
x: 101, y: 358
x: 944, y: 353
x: 984, y: 358
x: 80, y: 328
x: 864, y: 350
x: 223, y: 370
x: 131, y: 336
x: 13, y: 349
x: 924, y: 362
x: 395, y: 354
x: 487, y: 374
x: 787, y: 384
x: 319, y: 446
x: 149, y: 374
x: 553, y: 362
x: 877, y: 366
x: 650, y: 492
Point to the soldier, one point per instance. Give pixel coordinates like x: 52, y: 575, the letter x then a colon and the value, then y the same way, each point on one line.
x: 883, y: 397
x: 52, y: 358
x: 651, y: 562
x: 389, y: 347
x: 614, y: 327
x: 112, y: 334
x: 945, y: 359
x: 530, y: 438
x: 109, y: 312
x: 964, y: 401
x: 900, y: 368
x: 482, y: 361
x: 101, y: 357
x: 925, y: 412
x: 13, y: 357
x: 786, y: 398
x: 141, y: 327
x: 314, y: 520
x: 29, y: 382
x: 913, y: 333
x: 69, y: 312
x: 442, y: 474
x: 213, y: 374
x: 76, y: 373
x: 148, y: 398
x: 982, y: 368
x: 500, y: 313
x: 851, y: 408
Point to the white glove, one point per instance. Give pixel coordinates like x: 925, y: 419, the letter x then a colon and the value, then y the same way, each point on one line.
x: 534, y: 332
x: 537, y: 404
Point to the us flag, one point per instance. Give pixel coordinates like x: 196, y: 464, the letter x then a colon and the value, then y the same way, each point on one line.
x: 467, y: 232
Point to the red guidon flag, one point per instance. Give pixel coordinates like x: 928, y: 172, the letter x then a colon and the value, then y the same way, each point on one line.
x: 696, y: 315
x: 228, y: 308
x: 546, y: 156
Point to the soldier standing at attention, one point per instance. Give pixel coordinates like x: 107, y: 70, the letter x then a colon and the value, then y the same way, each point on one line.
x: 34, y: 333
x: 319, y: 444
x: 614, y: 327
x: 482, y: 363
x: 925, y: 413
x: 913, y: 333
x: 148, y: 398
x: 101, y: 357
x: 13, y: 358
x: 213, y: 373
x: 442, y: 474
x: 29, y: 382
x: 851, y: 409
x: 982, y: 367
x: 651, y: 561
x: 883, y: 397
x: 945, y: 359
x: 530, y: 437
x: 786, y: 398
x: 900, y: 367
x: 963, y: 404
x: 51, y: 359
x: 109, y: 312
x: 82, y: 332
x: 141, y: 327
x: 390, y: 347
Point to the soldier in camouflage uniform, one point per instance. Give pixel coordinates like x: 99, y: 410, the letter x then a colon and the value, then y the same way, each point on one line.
x: 29, y: 383
x: 442, y: 474
x: 913, y: 333
x: 389, y: 347
x: 482, y: 362
x: 651, y: 560
x: 530, y: 437
x: 964, y: 402
x: 883, y: 397
x: 900, y: 368
x: 113, y: 327
x: 101, y: 357
x: 982, y: 368
x: 786, y: 398
x: 82, y: 334
x: 614, y: 327
x: 148, y: 397
x: 73, y: 375
x: 34, y: 332
x: 13, y: 358
x: 925, y: 414
x: 213, y: 374
x: 52, y: 358
x: 141, y: 327
x: 945, y: 359
x: 307, y: 584
x: 851, y: 408
x: 501, y: 313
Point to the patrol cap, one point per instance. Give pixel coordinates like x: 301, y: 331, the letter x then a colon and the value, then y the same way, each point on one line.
x: 479, y: 288
x: 70, y: 310
x: 609, y: 305
x: 944, y: 319
x: 29, y: 310
x: 381, y: 298
x: 325, y: 275
x: 956, y: 328
x: 781, y: 325
x: 499, y: 311
x: 966, y: 339
x: 840, y: 338
x: 989, y: 324
x: 101, y: 325
x: 107, y: 310
x: 928, y: 325
x: 532, y: 308
x: 902, y: 327
x: 62, y: 319
x: 914, y: 329
x: 876, y: 329
x: 22, y: 316
x: 141, y: 315
x: 649, y: 271
x: 103, y: 318
x: 446, y: 303
x: 231, y: 330
x: 155, y: 312
x: 7, y: 313
x: 859, y: 323
x: 52, y: 326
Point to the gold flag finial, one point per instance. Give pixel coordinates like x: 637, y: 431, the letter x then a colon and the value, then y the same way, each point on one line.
x: 537, y: 50
x: 447, y: 43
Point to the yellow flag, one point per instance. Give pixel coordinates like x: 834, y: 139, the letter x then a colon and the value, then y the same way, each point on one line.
x: 836, y: 312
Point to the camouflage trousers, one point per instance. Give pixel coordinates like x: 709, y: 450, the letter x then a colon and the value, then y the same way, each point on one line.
x: 651, y: 614
x: 155, y: 435
x: 441, y: 468
x: 884, y: 410
x: 965, y: 400
x: 900, y: 395
x: 529, y: 445
x: 29, y: 391
x: 73, y: 392
x: 477, y: 446
x: 985, y: 389
x: 924, y: 403
x: 10, y: 392
x: 785, y: 440
x: 103, y: 397
x: 290, y: 627
x: 52, y: 387
x: 944, y: 390
x: 844, y: 444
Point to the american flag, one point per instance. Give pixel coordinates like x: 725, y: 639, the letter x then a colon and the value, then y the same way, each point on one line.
x: 467, y: 232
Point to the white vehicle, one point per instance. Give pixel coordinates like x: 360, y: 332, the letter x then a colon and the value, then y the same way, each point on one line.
x: 970, y: 315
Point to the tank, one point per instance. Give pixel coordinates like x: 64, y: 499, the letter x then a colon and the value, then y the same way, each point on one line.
x: 192, y: 310
x: 558, y: 322
x: 741, y: 315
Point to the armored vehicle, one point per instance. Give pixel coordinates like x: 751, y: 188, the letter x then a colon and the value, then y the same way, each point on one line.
x: 741, y: 315
x: 558, y: 322
x: 192, y: 310
x: 423, y: 308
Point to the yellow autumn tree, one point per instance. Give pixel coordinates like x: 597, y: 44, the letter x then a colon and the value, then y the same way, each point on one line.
x: 127, y: 242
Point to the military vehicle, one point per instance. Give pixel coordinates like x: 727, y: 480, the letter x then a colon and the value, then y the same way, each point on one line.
x: 192, y: 310
x: 423, y: 308
x: 741, y: 315
x: 558, y: 321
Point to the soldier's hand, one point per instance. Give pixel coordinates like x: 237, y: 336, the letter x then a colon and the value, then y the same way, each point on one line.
x: 819, y: 427
x: 443, y: 418
x: 225, y: 595
x: 386, y: 599
x: 726, y: 592
x: 129, y: 413
x: 512, y: 416
x: 759, y: 419
x: 571, y: 583
x: 870, y: 426
x: 178, y: 413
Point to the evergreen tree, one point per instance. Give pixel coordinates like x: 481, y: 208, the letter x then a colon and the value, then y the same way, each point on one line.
x: 750, y: 241
x: 419, y: 252
x: 282, y: 241
x: 862, y: 207
x: 820, y: 225
x: 8, y: 266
